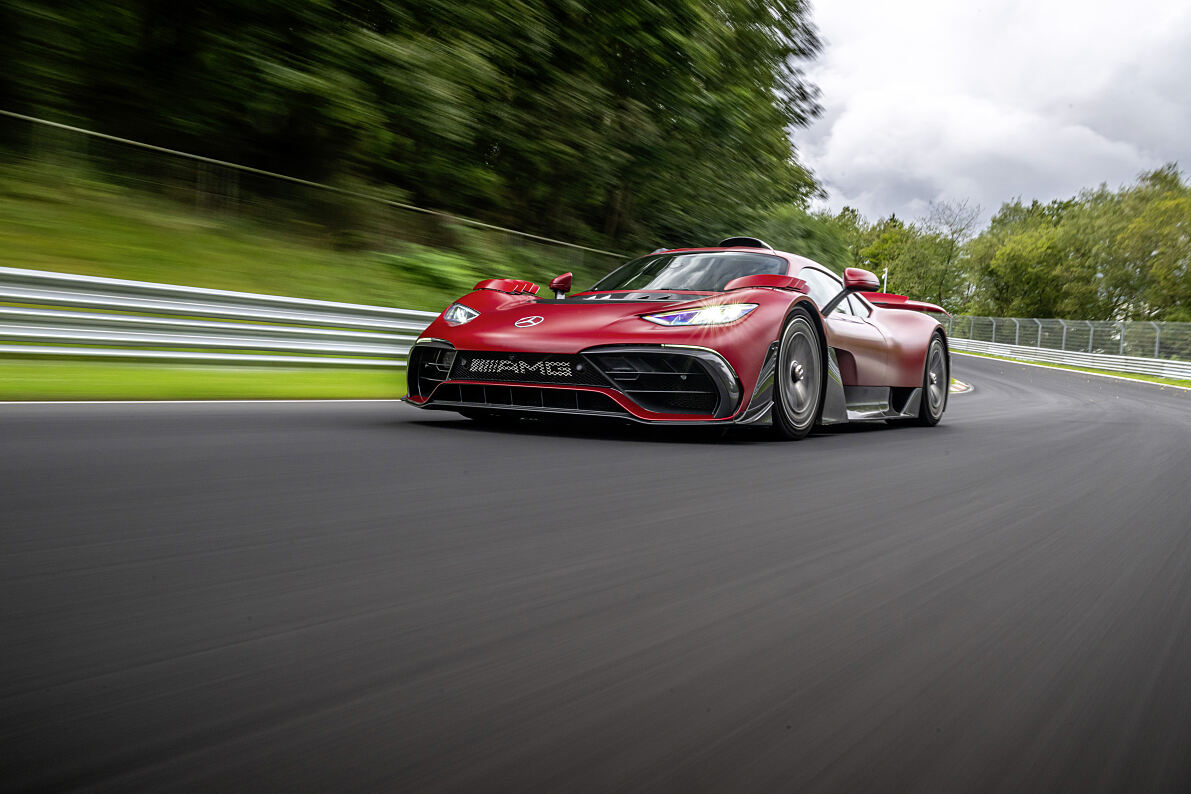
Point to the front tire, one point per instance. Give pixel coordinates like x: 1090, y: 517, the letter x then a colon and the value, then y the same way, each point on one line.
x: 799, y: 379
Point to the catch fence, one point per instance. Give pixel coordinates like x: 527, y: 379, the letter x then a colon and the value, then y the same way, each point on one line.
x: 1139, y: 347
x: 1136, y: 338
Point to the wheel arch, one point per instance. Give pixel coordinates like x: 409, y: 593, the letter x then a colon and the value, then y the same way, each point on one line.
x: 816, y: 318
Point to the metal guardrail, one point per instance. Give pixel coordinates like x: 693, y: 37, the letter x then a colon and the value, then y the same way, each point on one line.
x: 144, y: 320
x: 1158, y: 367
x: 62, y: 314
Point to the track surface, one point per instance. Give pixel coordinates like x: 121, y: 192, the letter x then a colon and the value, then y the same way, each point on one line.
x: 368, y: 597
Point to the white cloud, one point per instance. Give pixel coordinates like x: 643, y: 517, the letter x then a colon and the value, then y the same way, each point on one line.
x: 932, y: 99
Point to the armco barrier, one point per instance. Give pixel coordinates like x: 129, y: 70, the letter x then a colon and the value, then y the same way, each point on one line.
x: 61, y: 314
x: 1138, y: 366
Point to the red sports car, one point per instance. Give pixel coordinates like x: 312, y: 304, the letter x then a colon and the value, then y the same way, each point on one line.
x: 736, y: 334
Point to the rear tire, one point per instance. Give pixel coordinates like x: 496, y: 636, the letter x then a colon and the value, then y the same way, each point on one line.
x: 799, y: 379
x: 936, y: 384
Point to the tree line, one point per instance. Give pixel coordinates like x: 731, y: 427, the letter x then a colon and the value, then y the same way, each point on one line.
x: 614, y: 124
x: 1102, y: 254
x: 626, y: 126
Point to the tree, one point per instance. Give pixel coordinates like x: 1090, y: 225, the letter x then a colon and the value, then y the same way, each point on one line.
x: 619, y: 124
x: 952, y: 225
x: 1103, y: 254
x: 789, y: 227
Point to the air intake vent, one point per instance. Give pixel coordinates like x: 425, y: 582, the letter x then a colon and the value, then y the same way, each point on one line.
x: 666, y: 383
x: 530, y: 398
x: 428, y: 366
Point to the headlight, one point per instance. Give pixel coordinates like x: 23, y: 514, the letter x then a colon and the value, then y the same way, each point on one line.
x: 458, y: 314
x: 708, y: 315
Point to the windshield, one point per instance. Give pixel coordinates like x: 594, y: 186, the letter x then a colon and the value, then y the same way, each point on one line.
x: 700, y: 272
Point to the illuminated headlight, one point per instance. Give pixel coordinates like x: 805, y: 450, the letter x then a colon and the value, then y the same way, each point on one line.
x: 708, y: 315
x: 458, y: 314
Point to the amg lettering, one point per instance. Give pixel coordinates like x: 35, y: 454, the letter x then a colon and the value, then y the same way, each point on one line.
x: 497, y: 366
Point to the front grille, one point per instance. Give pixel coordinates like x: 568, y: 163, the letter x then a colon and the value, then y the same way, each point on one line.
x: 529, y: 397
x: 526, y: 368
x: 428, y: 366
x: 660, y: 381
x: 668, y: 383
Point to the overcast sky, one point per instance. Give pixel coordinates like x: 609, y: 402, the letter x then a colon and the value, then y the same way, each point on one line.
x: 947, y: 99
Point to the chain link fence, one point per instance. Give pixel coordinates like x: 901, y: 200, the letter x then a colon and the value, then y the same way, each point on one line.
x: 1140, y: 339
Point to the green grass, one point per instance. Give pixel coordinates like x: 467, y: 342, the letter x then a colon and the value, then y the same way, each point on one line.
x: 45, y: 379
x: 98, y: 230
x: 66, y: 220
x: 1130, y: 375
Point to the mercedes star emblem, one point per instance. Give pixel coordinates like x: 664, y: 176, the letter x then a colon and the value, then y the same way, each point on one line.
x: 529, y: 322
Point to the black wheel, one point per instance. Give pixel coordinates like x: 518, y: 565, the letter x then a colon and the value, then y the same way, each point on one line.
x: 799, y: 379
x: 936, y: 384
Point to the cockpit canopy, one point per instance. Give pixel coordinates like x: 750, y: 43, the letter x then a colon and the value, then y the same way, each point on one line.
x: 696, y: 271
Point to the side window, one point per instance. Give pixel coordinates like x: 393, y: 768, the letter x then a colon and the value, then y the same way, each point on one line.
x: 859, y: 307
x: 823, y: 288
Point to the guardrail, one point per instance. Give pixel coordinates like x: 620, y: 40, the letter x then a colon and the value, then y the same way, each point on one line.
x: 1131, y: 364
x: 61, y: 314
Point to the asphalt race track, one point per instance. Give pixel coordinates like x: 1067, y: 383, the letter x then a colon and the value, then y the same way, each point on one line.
x: 333, y: 597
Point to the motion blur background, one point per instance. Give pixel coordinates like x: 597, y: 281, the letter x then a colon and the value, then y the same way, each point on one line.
x: 263, y: 198
x: 394, y: 153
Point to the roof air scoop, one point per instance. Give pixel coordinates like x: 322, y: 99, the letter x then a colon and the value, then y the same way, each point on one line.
x: 744, y: 242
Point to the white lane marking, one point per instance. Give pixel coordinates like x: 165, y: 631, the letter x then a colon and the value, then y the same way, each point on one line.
x: 1073, y: 371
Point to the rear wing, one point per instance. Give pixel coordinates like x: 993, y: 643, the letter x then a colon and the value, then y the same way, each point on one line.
x: 887, y: 301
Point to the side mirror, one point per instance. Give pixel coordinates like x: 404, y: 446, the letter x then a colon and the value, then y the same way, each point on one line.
x: 857, y: 280
x: 562, y: 285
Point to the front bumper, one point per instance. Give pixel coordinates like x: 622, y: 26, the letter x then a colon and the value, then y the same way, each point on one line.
x: 662, y: 384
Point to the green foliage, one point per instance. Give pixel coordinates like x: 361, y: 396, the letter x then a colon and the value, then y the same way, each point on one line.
x: 624, y: 125
x: 923, y: 259
x: 1101, y: 255
x: 788, y: 227
x: 59, y: 219
x: 1104, y: 254
x: 477, y: 254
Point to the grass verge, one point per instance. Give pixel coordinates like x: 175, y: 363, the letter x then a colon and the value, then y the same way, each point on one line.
x: 72, y: 221
x: 43, y: 379
x: 1129, y: 375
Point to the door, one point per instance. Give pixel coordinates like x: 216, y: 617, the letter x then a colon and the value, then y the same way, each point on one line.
x: 860, y: 346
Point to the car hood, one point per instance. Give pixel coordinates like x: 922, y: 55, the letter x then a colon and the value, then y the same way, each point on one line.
x: 564, y: 326
x: 640, y: 296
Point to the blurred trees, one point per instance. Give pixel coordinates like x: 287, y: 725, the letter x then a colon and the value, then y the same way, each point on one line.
x: 629, y: 124
x: 788, y: 227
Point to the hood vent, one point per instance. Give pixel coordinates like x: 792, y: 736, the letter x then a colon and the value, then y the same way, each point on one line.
x: 635, y: 297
